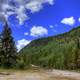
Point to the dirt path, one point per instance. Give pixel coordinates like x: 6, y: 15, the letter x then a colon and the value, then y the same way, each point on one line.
x: 64, y: 74
x: 40, y: 75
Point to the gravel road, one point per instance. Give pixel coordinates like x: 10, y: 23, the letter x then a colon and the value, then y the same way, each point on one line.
x: 39, y: 75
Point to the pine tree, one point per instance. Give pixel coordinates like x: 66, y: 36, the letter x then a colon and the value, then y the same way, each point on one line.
x: 8, y: 48
x: 0, y: 49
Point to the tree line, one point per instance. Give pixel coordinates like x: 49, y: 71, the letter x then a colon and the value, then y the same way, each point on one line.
x: 58, y: 52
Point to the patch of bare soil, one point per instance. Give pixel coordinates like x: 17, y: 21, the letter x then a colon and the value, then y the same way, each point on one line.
x: 67, y: 75
x: 40, y: 75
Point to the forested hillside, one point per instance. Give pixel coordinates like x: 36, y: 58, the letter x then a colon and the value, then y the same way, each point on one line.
x: 60, y: 52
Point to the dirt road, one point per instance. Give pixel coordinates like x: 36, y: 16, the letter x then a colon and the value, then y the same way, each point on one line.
x: 40, y: 75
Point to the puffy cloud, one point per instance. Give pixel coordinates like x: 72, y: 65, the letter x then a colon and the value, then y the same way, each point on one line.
x: 26, y: 33
x: 51, y: 26
x: 22, y: 43
x: 69, y: 21
x: 37, y: 31
x: 36, y: 5
x: 21, y: 14
x: 79, y: 19
x: 19, y: 7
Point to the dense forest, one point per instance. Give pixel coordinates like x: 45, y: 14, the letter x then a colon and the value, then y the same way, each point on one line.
x: 59, y: 52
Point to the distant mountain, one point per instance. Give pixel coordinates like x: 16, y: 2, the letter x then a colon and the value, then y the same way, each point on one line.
x: 61, y: 51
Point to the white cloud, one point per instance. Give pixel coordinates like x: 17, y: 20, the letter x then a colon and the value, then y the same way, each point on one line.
x: 69, y: 21
x: 26, y: 33
x: 79, y: 19
x: 36, y: 5
x: 51, y: 26
x: 37, y: 31
x: 22, y: 43
x: 20, y: 7
x: 21, y: 16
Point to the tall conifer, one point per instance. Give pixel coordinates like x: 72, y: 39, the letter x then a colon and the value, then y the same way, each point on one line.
x: 8, y: 48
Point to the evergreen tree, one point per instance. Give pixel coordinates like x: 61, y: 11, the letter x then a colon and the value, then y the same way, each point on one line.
x: 8, y: 48
x: 0, y: 49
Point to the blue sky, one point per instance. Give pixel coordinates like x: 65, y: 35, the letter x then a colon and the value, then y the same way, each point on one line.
x: 41, y: 18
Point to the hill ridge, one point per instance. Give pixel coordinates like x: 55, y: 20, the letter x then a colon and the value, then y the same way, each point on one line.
x: 60, y: 52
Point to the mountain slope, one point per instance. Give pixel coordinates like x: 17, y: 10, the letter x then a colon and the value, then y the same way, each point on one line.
x: 61, y: 51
